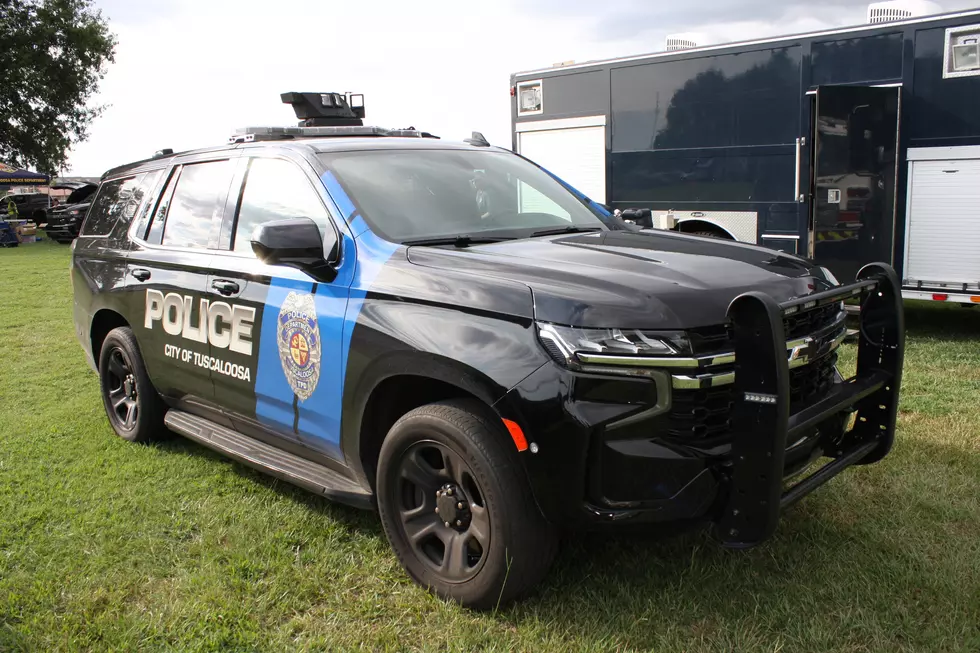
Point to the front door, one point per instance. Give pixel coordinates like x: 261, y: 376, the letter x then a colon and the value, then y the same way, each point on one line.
x: 855, y: 139
x: 287, y: 384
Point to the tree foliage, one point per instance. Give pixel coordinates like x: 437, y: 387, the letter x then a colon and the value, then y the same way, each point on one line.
x: 53, y: 54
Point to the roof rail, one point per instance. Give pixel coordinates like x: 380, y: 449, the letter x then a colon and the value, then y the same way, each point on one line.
x: 256, y: 134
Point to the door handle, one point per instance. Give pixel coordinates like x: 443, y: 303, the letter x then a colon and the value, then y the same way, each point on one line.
x: 140, y: 274
x: 225, y: 287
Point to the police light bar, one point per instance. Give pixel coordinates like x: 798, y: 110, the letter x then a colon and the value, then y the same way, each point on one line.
x: 256, y: 134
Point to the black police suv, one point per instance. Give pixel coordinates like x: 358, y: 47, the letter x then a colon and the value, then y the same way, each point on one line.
x: 451, y: 334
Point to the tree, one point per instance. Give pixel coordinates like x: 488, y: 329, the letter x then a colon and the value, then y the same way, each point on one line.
x: 53, y: 54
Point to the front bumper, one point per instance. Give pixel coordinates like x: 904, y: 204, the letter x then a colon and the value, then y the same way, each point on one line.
x: 602, y: 461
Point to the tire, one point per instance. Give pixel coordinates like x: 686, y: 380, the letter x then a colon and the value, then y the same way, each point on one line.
x: 499, y: 545
x: 708, y: 234
x: 134, y: 408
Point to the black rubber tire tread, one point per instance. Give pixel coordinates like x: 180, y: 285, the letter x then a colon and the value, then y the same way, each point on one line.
x: 149, y: 420
x: 708, y: 234
x: 522, y: 544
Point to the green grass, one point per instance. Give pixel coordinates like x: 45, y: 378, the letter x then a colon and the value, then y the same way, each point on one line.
x: 106, y: 545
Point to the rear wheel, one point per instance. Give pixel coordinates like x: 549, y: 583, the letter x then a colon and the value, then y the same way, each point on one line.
x: 132, y: 404
x: 457, y: 508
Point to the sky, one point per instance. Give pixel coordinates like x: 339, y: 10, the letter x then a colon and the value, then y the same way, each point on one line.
x: 188, y: 72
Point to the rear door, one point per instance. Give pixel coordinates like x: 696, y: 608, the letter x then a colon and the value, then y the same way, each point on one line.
x: 855, y: 164
x: 167, y: 280
x: 287, y: 386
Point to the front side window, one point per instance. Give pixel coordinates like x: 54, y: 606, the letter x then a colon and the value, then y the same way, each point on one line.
x: 188, y: 215
x: 275, y: 189
x: 406, y: 195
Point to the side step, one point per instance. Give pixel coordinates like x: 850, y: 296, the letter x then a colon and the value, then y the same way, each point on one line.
x: 264, y: 457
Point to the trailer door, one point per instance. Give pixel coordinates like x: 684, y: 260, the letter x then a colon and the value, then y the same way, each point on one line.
x: 854, y: 168
x: 574, y: 149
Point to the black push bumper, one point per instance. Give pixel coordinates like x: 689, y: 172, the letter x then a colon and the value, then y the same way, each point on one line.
x: 761, y: 421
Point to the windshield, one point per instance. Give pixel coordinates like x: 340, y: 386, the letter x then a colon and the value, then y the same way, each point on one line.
x: 407, y: 195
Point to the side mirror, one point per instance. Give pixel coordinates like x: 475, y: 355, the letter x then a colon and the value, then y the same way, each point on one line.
x: 640, y: 217
x: 297, y: 243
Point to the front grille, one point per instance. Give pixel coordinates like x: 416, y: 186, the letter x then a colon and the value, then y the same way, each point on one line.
x: 803, y: 324
x: 706, y: 341
x: 705, y: 414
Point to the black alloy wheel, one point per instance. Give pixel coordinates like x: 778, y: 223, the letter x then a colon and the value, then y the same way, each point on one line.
x: 121, y: 386
x: 134, y: 408
x: 457, y: 506
x: 442, y: 511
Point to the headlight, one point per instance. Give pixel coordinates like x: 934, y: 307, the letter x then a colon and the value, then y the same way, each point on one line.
x: 566, y: 343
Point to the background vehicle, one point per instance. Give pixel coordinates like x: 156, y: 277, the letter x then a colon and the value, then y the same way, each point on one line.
x: 64, y: 221
x: 450, y: 333
x: 847, y: 146
x: 30, y: 206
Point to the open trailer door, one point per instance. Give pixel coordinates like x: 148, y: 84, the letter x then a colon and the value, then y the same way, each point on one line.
x: 855, y: 155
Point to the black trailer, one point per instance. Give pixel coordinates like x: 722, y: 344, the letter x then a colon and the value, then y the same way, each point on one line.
x: 848, y: 146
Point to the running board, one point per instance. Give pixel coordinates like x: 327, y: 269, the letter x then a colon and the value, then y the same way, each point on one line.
x: 272, y: 460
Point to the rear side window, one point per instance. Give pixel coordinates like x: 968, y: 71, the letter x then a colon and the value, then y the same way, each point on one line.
x: 114, y: 200
x: 186, y: 216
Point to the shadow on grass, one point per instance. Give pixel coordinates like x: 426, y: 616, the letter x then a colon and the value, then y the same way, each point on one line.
x: 838, y: 553
x: 351, y: 517
x: 879, y: 551
x: 942, y: 321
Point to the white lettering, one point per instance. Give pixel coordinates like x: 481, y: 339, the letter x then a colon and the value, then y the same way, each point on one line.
x: 196, y: 333
x: 154, y: 307
x: 224, y: 326
x: 219, y: 337
x: 241, y: 329
x: 173, y: 313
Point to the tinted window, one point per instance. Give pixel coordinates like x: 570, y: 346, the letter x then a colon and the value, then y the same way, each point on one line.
x: 411, y: 194
x: 200, y: 190
x: 275, y: 190
x: 118, y: 198
x: 749, y: 98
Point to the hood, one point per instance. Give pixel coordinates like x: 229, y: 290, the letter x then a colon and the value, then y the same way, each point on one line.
x: 648, y: 279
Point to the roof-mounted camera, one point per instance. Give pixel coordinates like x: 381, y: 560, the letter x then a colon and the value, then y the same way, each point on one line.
x: 327, y: 109
x: 323, y: 115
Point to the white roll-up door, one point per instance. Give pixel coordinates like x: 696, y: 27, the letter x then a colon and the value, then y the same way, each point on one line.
x: 572, y: 149
x: 943, y: 237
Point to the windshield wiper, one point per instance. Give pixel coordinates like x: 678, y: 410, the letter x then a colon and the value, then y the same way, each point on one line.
x: 461, y: 240
x: 564, y: 230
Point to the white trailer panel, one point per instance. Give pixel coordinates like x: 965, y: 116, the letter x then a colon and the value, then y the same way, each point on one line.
x: 942, y: 239
x: 573, y: 149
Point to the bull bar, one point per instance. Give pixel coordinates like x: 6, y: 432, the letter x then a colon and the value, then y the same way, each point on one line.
x: 761, y: 420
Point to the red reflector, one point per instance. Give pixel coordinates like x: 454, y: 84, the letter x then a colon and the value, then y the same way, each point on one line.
x: 939, y: 297
x: 513, y: 91
x: 516, y: 434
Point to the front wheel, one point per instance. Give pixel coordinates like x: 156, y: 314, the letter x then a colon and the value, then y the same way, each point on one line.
x: 457, y: 507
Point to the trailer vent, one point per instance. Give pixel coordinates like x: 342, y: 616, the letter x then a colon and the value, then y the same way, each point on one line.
x: 681, y: 42
x: 885, y: 12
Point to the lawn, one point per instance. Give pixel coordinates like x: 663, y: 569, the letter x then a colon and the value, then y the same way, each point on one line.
x: 106, y: 545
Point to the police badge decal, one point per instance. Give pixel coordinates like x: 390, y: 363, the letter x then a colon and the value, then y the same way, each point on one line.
x: 299, y: 343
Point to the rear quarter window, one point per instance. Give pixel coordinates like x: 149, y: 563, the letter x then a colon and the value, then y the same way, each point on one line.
x: 116, y: 202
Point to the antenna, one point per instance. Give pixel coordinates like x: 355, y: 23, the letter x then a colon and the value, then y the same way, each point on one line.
x: 478, y: 139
